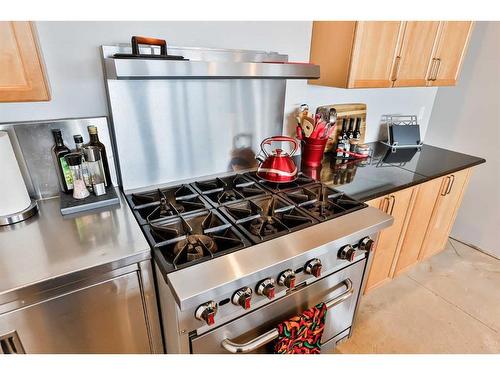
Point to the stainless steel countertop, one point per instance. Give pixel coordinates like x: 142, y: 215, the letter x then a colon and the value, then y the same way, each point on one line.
x: 52, y: 247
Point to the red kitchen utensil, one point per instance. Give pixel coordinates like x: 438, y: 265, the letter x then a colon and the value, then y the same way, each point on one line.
x: 278, y: 165
x: 299, y: 132
x: 353, y: 154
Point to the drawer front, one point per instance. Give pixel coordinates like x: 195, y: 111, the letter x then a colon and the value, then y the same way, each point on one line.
x: 103, y: 318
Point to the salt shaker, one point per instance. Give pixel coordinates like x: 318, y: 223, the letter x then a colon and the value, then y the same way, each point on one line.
x: 95, y: 169
x: 74, y: 161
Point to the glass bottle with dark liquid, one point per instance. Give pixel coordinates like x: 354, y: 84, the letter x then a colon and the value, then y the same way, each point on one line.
x: 94, y: 141
x: 59, y: 151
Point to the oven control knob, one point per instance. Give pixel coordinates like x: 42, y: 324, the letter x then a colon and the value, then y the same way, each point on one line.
x: 366, y: 244
x: 242, y: 297
x: 266, y: 288
x: 206, y: 312
x: 287, y: 278
x: 313, y: 267
x: 347, y: 252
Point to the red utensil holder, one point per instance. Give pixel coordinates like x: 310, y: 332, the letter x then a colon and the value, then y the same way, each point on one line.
x: 312, y: 151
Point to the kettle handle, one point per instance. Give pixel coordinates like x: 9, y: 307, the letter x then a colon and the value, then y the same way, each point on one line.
x: 280, y: 138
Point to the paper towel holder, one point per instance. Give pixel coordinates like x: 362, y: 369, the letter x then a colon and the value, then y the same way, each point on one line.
x: 16, y: 217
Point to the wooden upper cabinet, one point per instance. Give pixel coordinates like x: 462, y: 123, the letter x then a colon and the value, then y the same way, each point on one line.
x: 413, y: 62
x: 364, y: 54
x: 375, y: 47
x: 22, y: 75
x: 451, y: 44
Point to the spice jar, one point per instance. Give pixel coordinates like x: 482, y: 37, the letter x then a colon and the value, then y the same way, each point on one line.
x: 95, y: 169
x: 74, y: 161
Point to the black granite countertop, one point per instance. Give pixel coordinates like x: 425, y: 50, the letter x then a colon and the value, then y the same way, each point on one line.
x: 388, y: 171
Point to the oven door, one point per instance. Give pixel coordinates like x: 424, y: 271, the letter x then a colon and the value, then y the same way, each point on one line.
x: 255, y: 332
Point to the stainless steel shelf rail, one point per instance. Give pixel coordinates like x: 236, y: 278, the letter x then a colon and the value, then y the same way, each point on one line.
x: 273, y: 334
x: 165, y: 69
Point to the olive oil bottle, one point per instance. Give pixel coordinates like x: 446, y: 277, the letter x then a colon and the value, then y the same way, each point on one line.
x: 59, y: 150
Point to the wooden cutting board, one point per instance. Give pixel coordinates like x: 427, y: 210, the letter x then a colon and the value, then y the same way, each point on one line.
x: 345, y: 111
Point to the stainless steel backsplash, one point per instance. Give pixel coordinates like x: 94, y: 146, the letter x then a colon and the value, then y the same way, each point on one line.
x: 32, y: 143
x: 168, y: 130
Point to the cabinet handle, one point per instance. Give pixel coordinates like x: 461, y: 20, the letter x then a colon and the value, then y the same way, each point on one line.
x: 431, y: 70
x: 447, y: 184
x: 395, y: 71
x: 383, y: 208
x: 438, y: 64
x: 393, y: 203
x: 452, y: 179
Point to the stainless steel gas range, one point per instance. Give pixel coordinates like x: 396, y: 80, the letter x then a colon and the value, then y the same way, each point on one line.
x: 235, y: 256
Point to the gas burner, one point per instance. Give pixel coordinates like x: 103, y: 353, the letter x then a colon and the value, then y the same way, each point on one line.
x: 224, y: 190
x: 195, y: 246
x: 266, y: 217
x: 301, y: 180
x: 322, y: 202
x: 182, y: 240
x: 168, y: 202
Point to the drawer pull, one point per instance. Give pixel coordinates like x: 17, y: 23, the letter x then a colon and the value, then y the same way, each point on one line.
x: 273, y: 334
x: 452, y: 179
x: 393, y: 203
x: 446, y: 185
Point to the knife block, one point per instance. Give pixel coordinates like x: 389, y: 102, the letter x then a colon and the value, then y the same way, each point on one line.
x: 345, y: 111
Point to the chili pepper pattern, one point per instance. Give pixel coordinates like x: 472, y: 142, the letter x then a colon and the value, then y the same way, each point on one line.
x: 302, y: 334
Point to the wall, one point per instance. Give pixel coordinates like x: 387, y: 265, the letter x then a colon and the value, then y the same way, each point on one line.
x: 466, y: 118
x: 71, y: 53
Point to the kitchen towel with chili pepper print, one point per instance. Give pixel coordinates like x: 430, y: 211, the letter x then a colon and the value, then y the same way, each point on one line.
x: 302, y: 334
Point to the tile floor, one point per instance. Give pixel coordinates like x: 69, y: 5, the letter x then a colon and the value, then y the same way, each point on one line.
x: 449, y: 303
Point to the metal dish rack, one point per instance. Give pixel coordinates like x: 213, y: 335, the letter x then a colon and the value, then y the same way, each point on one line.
x: 399, y: 120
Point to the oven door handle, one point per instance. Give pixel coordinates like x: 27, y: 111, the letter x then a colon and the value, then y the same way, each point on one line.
x: 273, y: 334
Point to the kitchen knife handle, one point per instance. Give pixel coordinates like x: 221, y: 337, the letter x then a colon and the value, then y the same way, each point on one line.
x: 136, y: 40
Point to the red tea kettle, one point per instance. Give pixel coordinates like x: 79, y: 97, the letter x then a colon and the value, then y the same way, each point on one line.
x: 278, y: 166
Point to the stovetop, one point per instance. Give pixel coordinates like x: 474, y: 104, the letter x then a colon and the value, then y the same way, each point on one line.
x: 192, y: 223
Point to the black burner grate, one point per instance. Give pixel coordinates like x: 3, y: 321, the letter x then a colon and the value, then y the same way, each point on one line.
x: 163, y: 203
x: 186, y: 240
x: 224, y: 190
x: 321, y: 202
x: 267, y: 217
x: 301, y: 180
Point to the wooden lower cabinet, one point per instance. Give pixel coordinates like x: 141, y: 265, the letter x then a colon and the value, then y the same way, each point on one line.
x: 444, y: 213
x: 388, y: 244
x: 423, y: 219
x: 417, y: 226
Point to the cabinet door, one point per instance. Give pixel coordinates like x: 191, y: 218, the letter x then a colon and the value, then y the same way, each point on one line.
x: 375, y: 47
x: 453, y: 37
x: 386, y: 251
x: 418, y: 223
x: 22, y: 76
x: 414, y: 60
x: 445, y: 211
x: 102, y: 318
